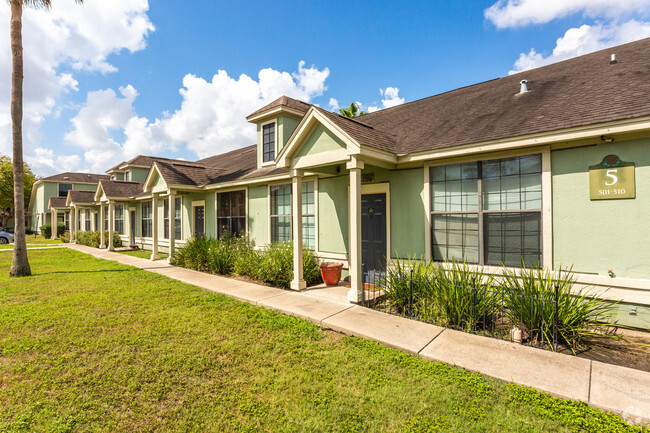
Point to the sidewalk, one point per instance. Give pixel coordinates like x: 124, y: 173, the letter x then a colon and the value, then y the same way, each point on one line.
x: 617, y: 389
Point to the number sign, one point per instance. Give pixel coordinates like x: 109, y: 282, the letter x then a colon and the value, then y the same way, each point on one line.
x: 612, y: 179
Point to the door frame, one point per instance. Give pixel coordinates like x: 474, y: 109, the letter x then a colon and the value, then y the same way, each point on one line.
x: 380, y: 188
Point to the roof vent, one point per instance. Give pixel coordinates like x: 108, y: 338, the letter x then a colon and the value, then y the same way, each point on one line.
x: 66, y: 178
x: 613, y: 61
x: 524, y: 86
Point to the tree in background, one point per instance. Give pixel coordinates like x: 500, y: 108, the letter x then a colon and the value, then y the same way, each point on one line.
x: 7, y: 188
x: 352, y: 111
x: 20, y: 263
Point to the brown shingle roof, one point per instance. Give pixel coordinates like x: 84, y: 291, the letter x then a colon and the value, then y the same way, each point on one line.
x: 76, y: 177
x: 81, y: 197
x: 177, y: 173
x: 146, y: 161
x: 283, y: 101
x: 362, y: 133
x: 581, y: 91
x: 57, y: 202
x: 121, y: 189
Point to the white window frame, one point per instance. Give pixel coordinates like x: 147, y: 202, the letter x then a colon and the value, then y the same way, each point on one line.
x: 196, y: 204
x: 178, y: 209
x: 275, y: 143
x: 546, y: 211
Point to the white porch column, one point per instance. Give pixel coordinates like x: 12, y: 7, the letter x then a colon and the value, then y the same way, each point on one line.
x: 298, y: 281
x: 356, y: 290
x: 172, y: 226
x: 76, y: 224
x: 154, y: 227
x: 111, y: 225
x: 102, y: 240
x: 53, y: 226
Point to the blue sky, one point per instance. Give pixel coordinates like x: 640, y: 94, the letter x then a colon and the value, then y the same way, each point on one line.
x: 109, y: 80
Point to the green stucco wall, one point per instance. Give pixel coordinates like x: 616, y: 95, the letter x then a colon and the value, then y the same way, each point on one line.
x: 333, y: 214
x: 258, y: 214
x: 319, y: 141
x: 598, y: 235
x: 119, y: 176
x: 286, y: 126
x: 407, y: 213
x: 139, y: 174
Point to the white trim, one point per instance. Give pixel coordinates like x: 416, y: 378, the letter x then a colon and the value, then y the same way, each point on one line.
x: 252, y: 181
x: 275, y: 111
x: 532, y: 140
x: 547, y: 209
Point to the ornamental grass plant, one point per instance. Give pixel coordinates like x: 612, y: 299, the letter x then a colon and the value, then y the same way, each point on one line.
x: 579, y: 313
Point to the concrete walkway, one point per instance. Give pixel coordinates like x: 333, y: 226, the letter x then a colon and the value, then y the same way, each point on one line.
x: 617, y: 389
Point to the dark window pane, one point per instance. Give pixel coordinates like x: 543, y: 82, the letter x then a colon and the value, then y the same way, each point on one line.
x: 513, y: 238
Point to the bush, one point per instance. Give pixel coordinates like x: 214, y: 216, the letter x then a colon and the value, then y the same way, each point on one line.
x: 60, y: 229
x: 46, y: 231
x: 65, y: 237
x: 272, y: 265
x: 579, y: 315
x: 93, y: 239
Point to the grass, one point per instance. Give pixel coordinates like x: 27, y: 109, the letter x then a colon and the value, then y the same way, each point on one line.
x: 91, y: 345
x: 32, y: 241
x: 141, y: 254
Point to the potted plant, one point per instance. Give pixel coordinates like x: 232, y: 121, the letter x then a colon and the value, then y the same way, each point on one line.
x: 331, y: 273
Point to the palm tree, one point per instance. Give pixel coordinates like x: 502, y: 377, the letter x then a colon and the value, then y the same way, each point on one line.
x: 352, y: 111
x: 20, y: 264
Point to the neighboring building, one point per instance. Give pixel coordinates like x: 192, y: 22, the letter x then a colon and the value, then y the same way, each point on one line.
x: 548, y: 167
x: 57, y: 186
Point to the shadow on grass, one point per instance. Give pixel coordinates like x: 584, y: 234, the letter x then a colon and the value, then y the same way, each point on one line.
x: 35, y: 274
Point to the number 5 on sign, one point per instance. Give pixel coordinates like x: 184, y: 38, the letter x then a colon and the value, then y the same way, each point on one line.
x: 612, y: 179
x: 611, y: 174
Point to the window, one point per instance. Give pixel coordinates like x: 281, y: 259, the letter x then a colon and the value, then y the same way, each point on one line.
x: 281, y: 214
x: 177, y: 218
x: 106, y: 220
x: 308, y: 216
x: 66, y: 220
x: 147, y: 219
x: 87, y: 220
x: 488, y: 212
x: 127, y: 175
x: 119, y: 218
x: 268, y: 142
x: 64, y: 188
x: 231, y: 216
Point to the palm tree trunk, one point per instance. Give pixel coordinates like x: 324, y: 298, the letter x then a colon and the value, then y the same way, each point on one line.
x: 20, y: 264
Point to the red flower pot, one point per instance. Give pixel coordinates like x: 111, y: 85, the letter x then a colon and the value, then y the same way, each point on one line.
x: 331, y: 273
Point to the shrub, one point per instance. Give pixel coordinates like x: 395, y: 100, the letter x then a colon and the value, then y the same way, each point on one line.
x: 579, y: 315
x: 65, y: 237
x: 93, y: 239
x: 46, y: 231
x: 60, y: 229
x: 272, y: 265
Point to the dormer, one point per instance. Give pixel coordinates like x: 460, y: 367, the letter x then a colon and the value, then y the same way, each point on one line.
x: 275, y: 124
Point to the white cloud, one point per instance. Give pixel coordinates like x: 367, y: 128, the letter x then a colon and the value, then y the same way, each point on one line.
x: 334, y: 104
x: 57, y: 44
x: 582, y: 40
x: 514, y: 13
x: 210, y: 120
x: 390, y: 98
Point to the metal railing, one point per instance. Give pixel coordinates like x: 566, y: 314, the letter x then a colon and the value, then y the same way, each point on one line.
x: 496, y: 312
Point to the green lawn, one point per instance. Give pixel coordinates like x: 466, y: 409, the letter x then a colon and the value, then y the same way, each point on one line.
x: 91, y: 345
x: 37, y: 241
x: 141, y: 254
